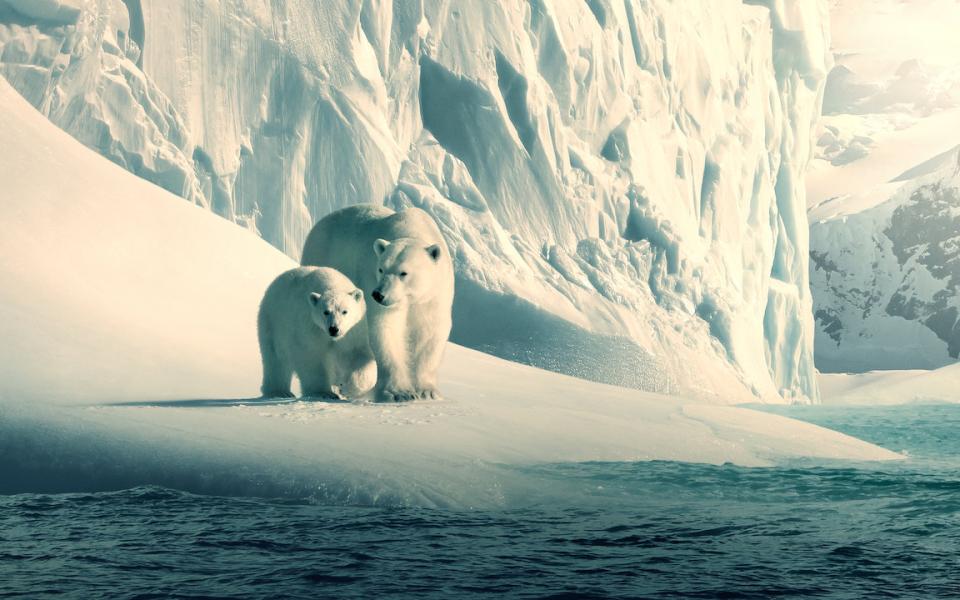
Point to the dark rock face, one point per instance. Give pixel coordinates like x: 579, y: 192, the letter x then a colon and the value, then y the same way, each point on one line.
x: 886, y: 281
x: 925, y: 232
x: 830, y: 323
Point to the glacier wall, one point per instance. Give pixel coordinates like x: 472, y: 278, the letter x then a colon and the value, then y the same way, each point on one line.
x: 620, y: 181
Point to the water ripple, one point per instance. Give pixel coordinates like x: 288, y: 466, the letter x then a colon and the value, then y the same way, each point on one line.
x: 601, y: 530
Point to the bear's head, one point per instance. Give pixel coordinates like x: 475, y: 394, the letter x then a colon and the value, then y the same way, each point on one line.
x: 336, y: 312
x: 407, y: 269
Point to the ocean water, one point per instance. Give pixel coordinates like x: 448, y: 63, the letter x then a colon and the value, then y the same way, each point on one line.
x: 597, y: 530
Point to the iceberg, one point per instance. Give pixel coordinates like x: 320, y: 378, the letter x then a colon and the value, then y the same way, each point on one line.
x: 130, y: 357
x: 621, y: 182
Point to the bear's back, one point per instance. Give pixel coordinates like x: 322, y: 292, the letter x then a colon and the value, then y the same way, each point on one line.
x: 410, y: 223
x: 344, y: 239
x: 337, y: 240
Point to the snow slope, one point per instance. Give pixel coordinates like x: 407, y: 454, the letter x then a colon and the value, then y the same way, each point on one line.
x: 621, y: 181
x: 893, y: 93
x: 892, y: 387
x: 128, y: 355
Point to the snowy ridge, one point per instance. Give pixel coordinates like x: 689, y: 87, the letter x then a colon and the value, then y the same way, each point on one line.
x: 610, y: 174
x: 893, y: 92
x: 130, y: 357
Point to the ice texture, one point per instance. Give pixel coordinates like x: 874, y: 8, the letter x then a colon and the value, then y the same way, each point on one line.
x: 620, y: 182
x: 129, y: 358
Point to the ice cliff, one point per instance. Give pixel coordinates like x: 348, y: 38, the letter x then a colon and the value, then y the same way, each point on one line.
x: 620, y: 181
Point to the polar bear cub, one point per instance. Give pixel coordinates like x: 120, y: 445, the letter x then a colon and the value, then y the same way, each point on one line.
x: 311, y: 323
x: 401, y: 260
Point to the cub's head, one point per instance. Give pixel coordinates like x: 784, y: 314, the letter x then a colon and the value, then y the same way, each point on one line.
x: 406, y: 271
x: 336, y: 312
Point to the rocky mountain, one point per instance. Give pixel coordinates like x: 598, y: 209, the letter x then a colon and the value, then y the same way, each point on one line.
x: 888, y: 277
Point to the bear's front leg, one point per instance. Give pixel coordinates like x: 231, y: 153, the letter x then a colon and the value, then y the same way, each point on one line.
x: 316, y: 384
x: 277, y: 371
x: 359, y: 378
x: 276, y: 378
x: 393, y: 384
x: 388, y: 342
x: 428, y: 353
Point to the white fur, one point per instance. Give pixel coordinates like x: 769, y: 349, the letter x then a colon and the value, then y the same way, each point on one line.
x: 403, y: 257
x: 311, y: 324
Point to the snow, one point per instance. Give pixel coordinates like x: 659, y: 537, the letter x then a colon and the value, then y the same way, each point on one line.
x: 621, y: 177
x: 128, y: 318
x: 893, y: 92
x: 878, y: 388
x: 851, y: 188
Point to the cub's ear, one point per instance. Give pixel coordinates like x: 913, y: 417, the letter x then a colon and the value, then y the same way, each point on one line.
x: 357, y: 295
x: 314, y: 298
x: 379, y: 246
x: 434, y: 252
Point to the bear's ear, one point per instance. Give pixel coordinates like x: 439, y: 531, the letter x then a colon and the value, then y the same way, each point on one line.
x: 357, y: 295
x: 379, y: 246
x: 314, y: 298
x: 434, y: 252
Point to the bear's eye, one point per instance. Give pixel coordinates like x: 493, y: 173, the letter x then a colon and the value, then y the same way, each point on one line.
x: 380, y: 271
x: 403, y: 274
x: 326, y: 313
x: 343, y: 312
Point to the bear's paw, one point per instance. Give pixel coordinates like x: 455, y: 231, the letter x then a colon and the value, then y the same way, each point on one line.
x: 396, y: 395
x: 428, y: 393
x: 326, y: 395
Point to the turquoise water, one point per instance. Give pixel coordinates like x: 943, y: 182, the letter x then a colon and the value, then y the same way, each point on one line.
x: 656, y: 530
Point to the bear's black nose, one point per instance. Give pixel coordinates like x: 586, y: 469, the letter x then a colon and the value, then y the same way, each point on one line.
x: 377, y: 296
x: 334, y: 331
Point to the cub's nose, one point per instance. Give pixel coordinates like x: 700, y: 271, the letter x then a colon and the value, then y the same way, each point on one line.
x: 377, y: 296
x: 334, y: 331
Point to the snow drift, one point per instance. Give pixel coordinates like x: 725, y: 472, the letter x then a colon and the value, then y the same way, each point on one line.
x: 621, y: 182
x: 881, y: 388
x: 128, y: 321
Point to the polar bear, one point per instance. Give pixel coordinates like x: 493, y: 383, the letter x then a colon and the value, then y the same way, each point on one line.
x: 402, y: 262
x: 311, y: 323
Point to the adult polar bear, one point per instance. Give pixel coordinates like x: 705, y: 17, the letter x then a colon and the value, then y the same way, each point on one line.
x: 402, y: 262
